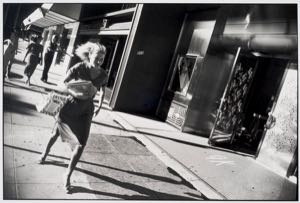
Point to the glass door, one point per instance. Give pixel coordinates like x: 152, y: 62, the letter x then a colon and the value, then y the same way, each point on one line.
x: 231, y: 113
x: 115, y: 46
x: 244, y: 113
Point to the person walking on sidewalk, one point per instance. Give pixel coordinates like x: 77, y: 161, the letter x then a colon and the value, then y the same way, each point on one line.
x: 35, y: 51
x: 74, y: 119
x: 48, y: 56
x: 9, y: 52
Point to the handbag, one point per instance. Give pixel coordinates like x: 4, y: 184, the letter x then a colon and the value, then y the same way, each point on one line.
x: 52, y: 103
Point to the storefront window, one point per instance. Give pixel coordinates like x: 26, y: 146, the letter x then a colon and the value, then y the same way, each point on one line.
x: 182, y: 74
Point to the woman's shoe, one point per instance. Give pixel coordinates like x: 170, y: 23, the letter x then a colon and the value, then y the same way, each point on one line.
x: 27, y: 82
x: 67, y: 184
x: 44, y: 80
x: 41, y: 160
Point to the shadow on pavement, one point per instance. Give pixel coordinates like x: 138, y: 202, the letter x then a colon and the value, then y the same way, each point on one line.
x: 50, y: 83
x: 15, y: 75
x: 152, y: 134
x: 17, y: 61
x: 78, y: 189
x: 32, y: 87
x: 151, y: 194
x: 11, y: 104
x: 154, y: 177
x: 110, y: 126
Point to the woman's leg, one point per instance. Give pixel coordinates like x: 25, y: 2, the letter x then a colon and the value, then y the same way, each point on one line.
x: 27, y: 73
x: 47, y: 63
x: 52, y: 140
x: 30, y: 67
x: 73, y: 162
x: 9, y: 64
x: 5, y: 63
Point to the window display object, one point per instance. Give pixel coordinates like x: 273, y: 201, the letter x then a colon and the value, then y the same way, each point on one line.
x: 182, y: 74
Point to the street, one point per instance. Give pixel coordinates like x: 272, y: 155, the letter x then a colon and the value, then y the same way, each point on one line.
x: 114, y: 165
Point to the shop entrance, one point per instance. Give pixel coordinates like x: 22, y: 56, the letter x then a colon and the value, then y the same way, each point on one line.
x: 114, y: 49
x: 245, y: 111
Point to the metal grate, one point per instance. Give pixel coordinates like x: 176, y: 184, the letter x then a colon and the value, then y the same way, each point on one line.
x: 176, y: 115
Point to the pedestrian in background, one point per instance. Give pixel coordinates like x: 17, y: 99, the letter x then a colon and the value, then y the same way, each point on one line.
x: 74, y: 119
x: 48, y: 56
x: 9, y: 52
x: 35, y: 51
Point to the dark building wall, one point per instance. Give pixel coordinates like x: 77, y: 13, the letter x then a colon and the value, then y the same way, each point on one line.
x: 97, y: 9
x: 67, y: 9
x: 150, y: 57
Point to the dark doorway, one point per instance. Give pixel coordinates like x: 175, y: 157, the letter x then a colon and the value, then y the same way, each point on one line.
x: 240, y: 124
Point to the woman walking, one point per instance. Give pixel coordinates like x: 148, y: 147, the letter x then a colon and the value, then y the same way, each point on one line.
x: 74, y: 119
x: 35, y: 51
x: 49, y: 54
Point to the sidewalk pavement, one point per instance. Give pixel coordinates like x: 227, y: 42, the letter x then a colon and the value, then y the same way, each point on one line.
x: 218, y: 175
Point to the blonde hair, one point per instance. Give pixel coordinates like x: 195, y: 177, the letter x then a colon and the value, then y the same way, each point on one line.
x: 85, y: 50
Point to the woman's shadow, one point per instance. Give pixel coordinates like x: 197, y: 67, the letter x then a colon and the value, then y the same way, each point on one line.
x: 15, y: 75
x: 146, y: 193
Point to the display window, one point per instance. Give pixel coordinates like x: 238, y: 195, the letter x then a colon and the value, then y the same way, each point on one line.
x: 182, y: 74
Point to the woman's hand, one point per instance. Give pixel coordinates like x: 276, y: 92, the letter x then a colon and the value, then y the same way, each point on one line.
x: 61, y: 87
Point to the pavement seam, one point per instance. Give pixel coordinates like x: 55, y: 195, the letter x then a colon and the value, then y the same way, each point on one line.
x: 202, y: 186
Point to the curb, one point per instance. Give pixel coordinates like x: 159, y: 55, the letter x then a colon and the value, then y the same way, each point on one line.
x: 198, y: 183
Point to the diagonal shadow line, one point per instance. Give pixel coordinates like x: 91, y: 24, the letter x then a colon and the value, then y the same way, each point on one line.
x: 51, y: 83
x: 17, y: 61
x: 79, y: 189
x: 154, y: 177
x: 173, y: 139
x: 130, y: 186
x: 10, y: 84
x: 153, y: 135
x: 15, y: 75
x: 110, y: 126
x: 46, y: 89
x: 170, y: 131
x: 196, y: 196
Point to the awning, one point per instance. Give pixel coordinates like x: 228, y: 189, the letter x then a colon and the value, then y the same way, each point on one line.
x: 47, y: 16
